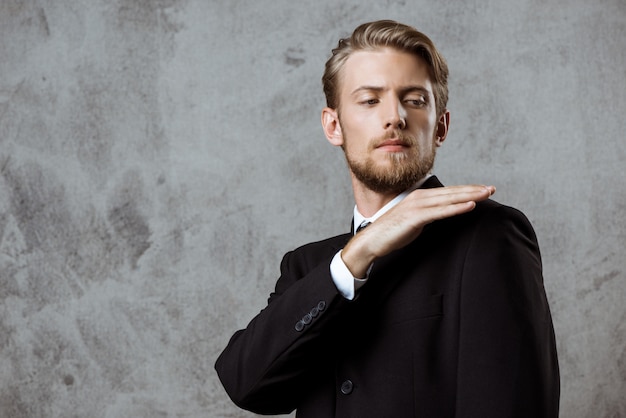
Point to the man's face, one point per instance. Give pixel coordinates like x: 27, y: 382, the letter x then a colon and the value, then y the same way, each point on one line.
x: 388, y: 126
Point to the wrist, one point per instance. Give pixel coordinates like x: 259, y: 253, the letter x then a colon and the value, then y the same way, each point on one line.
x: 357, y: 257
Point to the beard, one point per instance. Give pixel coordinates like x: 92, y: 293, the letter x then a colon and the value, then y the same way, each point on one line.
x: 403, y: 169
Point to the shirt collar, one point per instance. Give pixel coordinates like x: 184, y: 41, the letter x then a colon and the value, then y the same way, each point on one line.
x: 359, y: 219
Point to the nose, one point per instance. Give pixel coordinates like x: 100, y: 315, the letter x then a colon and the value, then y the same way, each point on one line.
x: 396, y: 116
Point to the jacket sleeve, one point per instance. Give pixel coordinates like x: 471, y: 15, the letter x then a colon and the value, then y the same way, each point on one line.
x: 507, y: 364
x: 264, y: 366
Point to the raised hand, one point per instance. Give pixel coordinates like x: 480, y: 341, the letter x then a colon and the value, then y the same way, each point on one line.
x: 402, y: 224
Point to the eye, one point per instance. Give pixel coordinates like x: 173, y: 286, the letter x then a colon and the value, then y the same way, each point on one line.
x: 369, y: 102
x: 419, y: 101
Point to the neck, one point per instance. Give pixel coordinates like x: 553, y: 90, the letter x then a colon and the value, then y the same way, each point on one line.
x: 368, y: 202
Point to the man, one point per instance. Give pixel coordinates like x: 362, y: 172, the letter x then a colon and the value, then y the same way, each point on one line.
x: 437, y: 308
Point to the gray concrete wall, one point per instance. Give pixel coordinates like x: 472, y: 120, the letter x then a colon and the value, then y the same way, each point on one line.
x: 157, y: 158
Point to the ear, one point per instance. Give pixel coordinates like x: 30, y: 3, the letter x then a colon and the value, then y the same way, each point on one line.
x: 442, y: 128
x: 332, y: 127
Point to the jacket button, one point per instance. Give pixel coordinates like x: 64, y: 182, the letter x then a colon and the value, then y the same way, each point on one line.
x: 307, y: 319
x: 346, y: 387
x: 315, y: 311
x: 321, y: 305
x: 299, y: 326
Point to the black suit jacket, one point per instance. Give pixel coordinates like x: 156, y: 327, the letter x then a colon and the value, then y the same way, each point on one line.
x: 456, y: 324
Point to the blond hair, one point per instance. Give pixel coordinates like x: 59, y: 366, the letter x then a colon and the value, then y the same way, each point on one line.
x: 381, y: 34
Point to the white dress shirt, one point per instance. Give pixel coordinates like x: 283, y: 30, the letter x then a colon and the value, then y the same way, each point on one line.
x: 346, y: 283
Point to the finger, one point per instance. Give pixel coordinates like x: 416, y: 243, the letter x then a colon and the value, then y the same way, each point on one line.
x: 451, y: 197
x: 442, y: 191
x: 447, y: 211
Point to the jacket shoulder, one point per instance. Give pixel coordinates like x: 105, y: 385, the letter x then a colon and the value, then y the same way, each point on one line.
x: 305, y: 257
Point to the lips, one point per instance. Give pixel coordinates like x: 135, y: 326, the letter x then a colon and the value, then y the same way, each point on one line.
x: 393, y: 143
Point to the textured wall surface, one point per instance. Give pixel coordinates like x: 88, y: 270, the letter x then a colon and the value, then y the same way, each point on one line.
x: 157, y: 158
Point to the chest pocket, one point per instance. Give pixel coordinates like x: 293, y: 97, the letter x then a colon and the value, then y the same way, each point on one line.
x: 414, y: 308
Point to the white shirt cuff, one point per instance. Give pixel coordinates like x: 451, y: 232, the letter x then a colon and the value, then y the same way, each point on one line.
x: 346, y: 284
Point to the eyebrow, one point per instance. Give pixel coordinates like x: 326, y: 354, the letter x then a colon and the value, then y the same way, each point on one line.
x: 403, y: 90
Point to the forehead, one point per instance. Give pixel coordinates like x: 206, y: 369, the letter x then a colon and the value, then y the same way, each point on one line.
x: 385, y: 68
